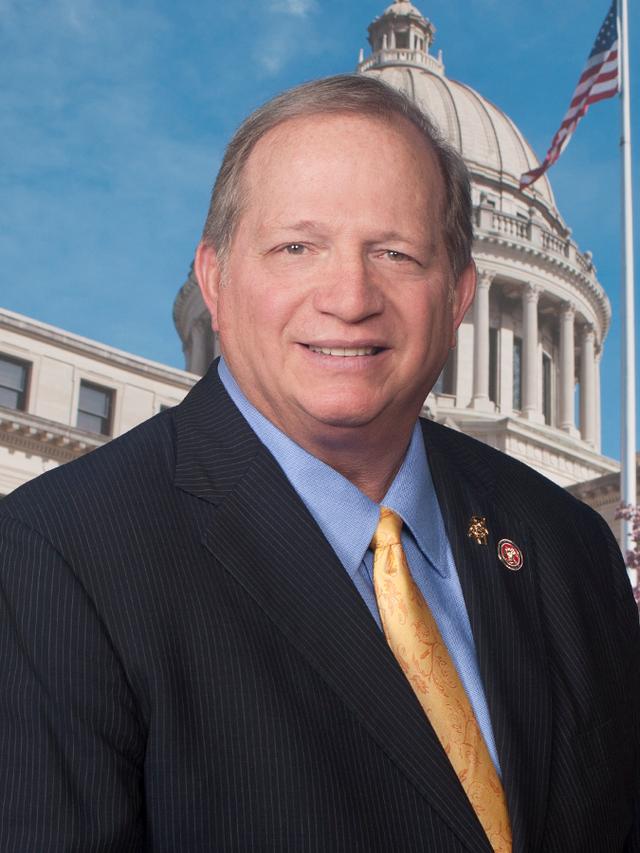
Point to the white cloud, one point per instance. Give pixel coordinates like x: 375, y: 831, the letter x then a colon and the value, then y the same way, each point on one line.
x: 275, y: 50
x: 286, y: 37
x: 297, y: 8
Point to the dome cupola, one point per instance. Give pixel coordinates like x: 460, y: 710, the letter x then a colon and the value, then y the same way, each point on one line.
x: 402, y: 35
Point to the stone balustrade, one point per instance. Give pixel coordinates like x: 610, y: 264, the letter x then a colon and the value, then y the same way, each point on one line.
x: 510, y: 225
x: 401, y: 56
x: 531, y: 233
x: 552, y: 243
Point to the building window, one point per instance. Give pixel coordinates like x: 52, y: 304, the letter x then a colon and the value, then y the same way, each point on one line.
x: 14, y: 377
x: 95, y: 405
x: 546, y: 387
x: 402, y: 41
x: 493, y: 365
x: 517, y: 373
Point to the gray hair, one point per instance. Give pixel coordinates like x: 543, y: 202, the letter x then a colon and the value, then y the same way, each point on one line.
x: 345, y: 93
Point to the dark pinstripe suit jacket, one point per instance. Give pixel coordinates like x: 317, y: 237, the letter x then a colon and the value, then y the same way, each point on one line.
x: 185, y: 665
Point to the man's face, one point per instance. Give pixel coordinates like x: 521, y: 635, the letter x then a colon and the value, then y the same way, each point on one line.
x: 335, y: 309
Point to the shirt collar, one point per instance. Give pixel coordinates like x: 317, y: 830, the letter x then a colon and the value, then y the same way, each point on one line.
x: 413, y: 496
x: 346, y: 516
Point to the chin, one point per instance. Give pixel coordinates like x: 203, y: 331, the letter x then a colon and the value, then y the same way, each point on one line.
x: 343, y: 417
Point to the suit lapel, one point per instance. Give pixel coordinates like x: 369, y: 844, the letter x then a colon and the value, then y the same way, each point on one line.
x: 264, y: 536
x: 503, y: 610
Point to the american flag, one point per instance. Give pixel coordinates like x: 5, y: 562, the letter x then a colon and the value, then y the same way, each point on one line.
x: 598, y: 80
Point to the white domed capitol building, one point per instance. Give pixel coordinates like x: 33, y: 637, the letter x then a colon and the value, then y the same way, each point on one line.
x: 531, y: 344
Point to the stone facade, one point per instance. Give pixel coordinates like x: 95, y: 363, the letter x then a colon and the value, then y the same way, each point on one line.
x: 603, y: 494
x: 62, y: 395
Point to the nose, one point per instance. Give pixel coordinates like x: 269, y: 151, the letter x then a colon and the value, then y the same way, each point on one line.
x: 348, y: 290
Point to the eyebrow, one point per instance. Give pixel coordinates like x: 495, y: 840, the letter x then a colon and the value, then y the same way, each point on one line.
x: 390, y: 235
x: 311, y: 225
x: 301, y: 225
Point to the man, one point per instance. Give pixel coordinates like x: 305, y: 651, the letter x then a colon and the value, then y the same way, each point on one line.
x: 202, y: 623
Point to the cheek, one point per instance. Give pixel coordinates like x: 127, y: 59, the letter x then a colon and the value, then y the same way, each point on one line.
x: 255, y: 317
x: 281, y: 313
x: 429, y: 328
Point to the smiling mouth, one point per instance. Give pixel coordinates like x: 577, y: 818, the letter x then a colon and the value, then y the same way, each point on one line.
x: 345, y: 351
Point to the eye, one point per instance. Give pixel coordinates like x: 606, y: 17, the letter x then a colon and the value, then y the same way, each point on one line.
x: 294, y: 249
x: 396, y: 256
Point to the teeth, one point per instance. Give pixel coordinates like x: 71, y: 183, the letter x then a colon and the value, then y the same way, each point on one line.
x: 343, y: 351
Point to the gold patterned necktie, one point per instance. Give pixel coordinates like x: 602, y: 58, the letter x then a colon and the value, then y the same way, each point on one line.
x: 415, y: 640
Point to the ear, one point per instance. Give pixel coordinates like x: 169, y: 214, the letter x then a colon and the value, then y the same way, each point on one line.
x: 208, y: 274
x: 465, y: 290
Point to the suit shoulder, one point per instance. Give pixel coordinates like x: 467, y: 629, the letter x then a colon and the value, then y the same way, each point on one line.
x: 139, y: 462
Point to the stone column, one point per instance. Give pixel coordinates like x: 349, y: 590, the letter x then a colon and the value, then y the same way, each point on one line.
x: 588, y: 385
x: 530, y: 406
x: 598, y: 400
x: 567, y: 368
x: 200, y: 351
x: 481, y: 342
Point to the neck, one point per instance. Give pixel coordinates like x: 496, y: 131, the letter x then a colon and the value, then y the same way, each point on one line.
x: 368, y: 455
x: 369, y: 462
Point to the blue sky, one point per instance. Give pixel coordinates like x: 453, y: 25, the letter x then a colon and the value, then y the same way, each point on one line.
x: 114, y: 114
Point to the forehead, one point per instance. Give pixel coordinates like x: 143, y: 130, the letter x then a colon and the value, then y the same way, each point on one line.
x: 303, y: 125
x: 306, y: 146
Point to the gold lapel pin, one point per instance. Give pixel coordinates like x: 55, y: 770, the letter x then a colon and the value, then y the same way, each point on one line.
x: 478, y: 529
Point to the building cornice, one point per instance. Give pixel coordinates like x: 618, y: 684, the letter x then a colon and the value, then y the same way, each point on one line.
x: 545, y: 437
x: 94, y: 350
x: 42, y: 437
x: 600, y: 491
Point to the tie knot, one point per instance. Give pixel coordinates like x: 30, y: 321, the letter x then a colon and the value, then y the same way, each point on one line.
x: 388, y: 529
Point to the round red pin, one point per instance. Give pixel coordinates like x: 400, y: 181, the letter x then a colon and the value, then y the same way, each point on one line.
x: 510, y: 554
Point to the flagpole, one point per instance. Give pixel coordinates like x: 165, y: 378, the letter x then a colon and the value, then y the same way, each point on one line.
x: 628, y: 389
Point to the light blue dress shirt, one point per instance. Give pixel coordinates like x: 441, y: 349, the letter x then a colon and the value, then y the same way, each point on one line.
x: 348, y: 519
